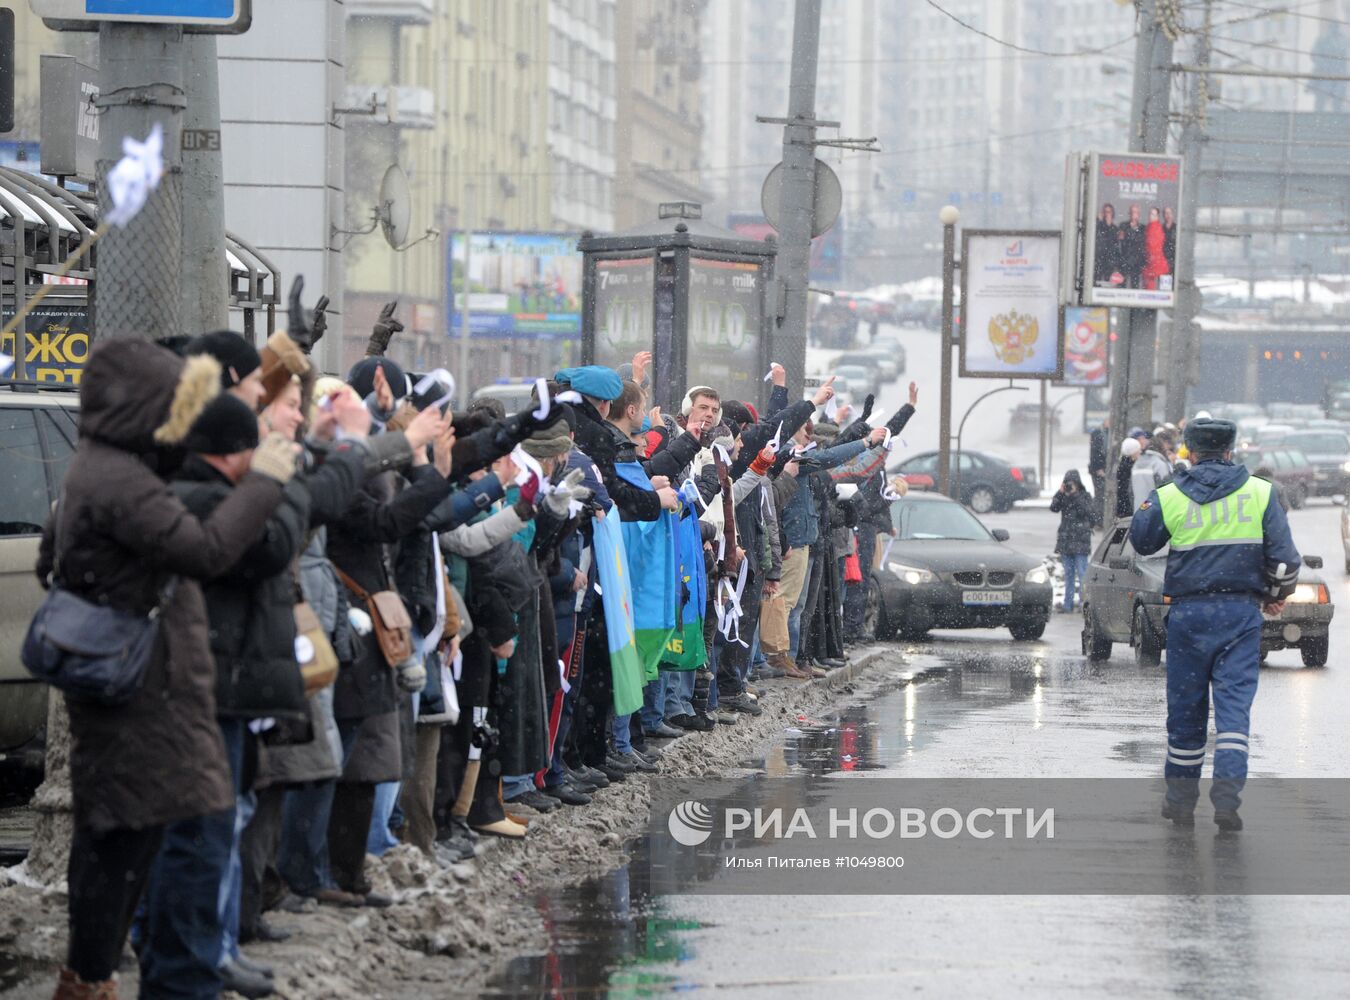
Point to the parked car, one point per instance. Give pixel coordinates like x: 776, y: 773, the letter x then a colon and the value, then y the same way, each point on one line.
x: 861, y: 380
x: 981, y: 481
x: 37, y: 441
x: 945, y: 569
x: 878, y: 362
x: 1329, y: 452
x: 1123, y: 602
x: 1025, y: 420
x: 1290, y: 469
x: 1271, y: 434
x: 514, y: 394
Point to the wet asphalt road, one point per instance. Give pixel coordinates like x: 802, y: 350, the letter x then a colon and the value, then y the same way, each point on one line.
x: 975, y: 704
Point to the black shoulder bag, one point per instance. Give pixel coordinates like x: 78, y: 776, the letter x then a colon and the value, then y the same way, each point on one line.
x: 90, y: 652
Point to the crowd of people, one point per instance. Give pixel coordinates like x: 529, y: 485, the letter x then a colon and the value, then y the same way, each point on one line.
x: 384, y: 620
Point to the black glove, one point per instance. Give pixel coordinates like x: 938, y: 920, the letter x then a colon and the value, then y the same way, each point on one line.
x: 385, y: 327
x: 867, y: 407
x: 298, y: 328
x: 898, y: 419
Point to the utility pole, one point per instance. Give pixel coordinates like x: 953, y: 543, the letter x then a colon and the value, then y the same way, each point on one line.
x: 205, y: 297
x: 1182, y: 361
x: 136, y: 295
x: 798, y: 193
x: 1133, y: 363
x: 140, y: 265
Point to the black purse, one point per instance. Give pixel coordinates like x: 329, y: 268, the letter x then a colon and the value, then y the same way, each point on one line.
x: 90, y: 652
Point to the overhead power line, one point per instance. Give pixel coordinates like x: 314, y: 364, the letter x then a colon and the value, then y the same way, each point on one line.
x: 1022, y: 48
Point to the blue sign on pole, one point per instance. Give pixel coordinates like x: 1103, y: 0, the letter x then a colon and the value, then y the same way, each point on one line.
x: 161, y: 8
x: 225, y: 16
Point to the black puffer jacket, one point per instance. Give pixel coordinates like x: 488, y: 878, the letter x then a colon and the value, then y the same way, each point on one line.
x: 595, y: 437
x: 249, y: 606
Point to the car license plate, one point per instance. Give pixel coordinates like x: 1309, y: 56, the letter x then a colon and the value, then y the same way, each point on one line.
x: 987, y: 597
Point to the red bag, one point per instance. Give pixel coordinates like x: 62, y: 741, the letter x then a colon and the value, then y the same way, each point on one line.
x: 852, y: 568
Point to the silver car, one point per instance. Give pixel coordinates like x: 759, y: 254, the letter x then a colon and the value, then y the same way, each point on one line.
x: 37, y: 441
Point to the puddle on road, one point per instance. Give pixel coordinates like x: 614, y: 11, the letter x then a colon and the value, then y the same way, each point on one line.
x: 612, y: 937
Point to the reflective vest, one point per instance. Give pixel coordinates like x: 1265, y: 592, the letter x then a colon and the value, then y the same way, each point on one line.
x: 1232, y: 520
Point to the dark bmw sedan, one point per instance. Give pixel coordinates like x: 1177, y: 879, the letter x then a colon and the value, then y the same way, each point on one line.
x: 945, y: 569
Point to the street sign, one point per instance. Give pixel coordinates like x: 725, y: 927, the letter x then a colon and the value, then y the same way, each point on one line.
x: 69, y: 120
x: 829, y: 198
x: 226, y: 16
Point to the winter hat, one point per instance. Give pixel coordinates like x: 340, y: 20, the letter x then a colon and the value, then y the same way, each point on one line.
x: 281, y: 359
x: 1072, y: 476
x: 595, y: 381
x: 237, y: 356
x: 227, y: 426
x: 725, y: 437
x: 737, y: 414
x: 1211, y: 435
x: 1129, y: 448
x: 550, y: 441
x: 362, y: 377
x: 1138, y: 432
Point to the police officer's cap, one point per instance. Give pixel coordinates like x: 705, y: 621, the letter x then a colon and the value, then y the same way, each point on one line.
x: 1207, y: 435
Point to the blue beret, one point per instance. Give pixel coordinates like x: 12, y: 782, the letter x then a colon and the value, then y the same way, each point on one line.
x: 596, y: 381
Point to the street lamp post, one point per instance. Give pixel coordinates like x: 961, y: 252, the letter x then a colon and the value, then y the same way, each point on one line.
x: 949, y: 215
x: 960, y: 430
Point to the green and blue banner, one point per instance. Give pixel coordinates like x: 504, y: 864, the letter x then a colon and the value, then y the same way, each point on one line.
x: 616, y: 596
x: 654, y: 566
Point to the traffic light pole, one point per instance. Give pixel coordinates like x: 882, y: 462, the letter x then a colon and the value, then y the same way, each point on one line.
x: 798, y: 194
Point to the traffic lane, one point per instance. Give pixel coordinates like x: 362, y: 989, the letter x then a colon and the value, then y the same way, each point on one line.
x: 1060, y: 715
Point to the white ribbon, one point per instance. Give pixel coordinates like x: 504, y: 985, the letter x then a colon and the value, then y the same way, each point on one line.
x: 728, y: 606
x: 770, y: 374
x: 434, y: 379
x: 809, y: 446
x: 831, y: 408
x: 726, y: 455
x: 529, y: 466
x: 135, y: 175
x: 562, y: 676
x: 887, y: 493
x: 568, y: 396
x: 886, y: 441
x: 545, y: 404
x: 775, y: 443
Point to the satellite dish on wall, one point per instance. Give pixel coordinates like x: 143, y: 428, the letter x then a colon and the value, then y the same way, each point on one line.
x: 395, y: 208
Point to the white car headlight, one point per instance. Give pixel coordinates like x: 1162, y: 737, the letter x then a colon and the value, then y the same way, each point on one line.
x: 1345, y: 466
x: 912, y: 575
x: 1038, y: 575
x: 1307, y: 593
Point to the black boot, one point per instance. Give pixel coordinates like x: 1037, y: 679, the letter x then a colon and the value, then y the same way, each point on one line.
x: 1227, y: 820
x: 1178, y: 815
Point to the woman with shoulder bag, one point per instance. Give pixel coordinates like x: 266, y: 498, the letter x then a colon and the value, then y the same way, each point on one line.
x: 117, y: 538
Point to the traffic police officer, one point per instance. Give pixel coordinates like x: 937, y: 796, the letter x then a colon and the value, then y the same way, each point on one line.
x: 1231, y: 554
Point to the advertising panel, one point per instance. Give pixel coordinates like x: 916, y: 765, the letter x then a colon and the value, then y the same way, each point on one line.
x: 624, y: 309
x: 522, y: 286
x: 55, y: 344
x: 1130, y: 244
x: 1087, y: 346
x: 1010, y: 312
x: 725, y: 316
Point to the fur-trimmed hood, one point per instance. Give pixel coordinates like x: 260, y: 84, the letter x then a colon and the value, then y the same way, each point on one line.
x: 137, y: 396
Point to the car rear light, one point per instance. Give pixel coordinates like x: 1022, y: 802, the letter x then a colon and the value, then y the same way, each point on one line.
x: 1323, y: 597
x: 1016, y: 473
